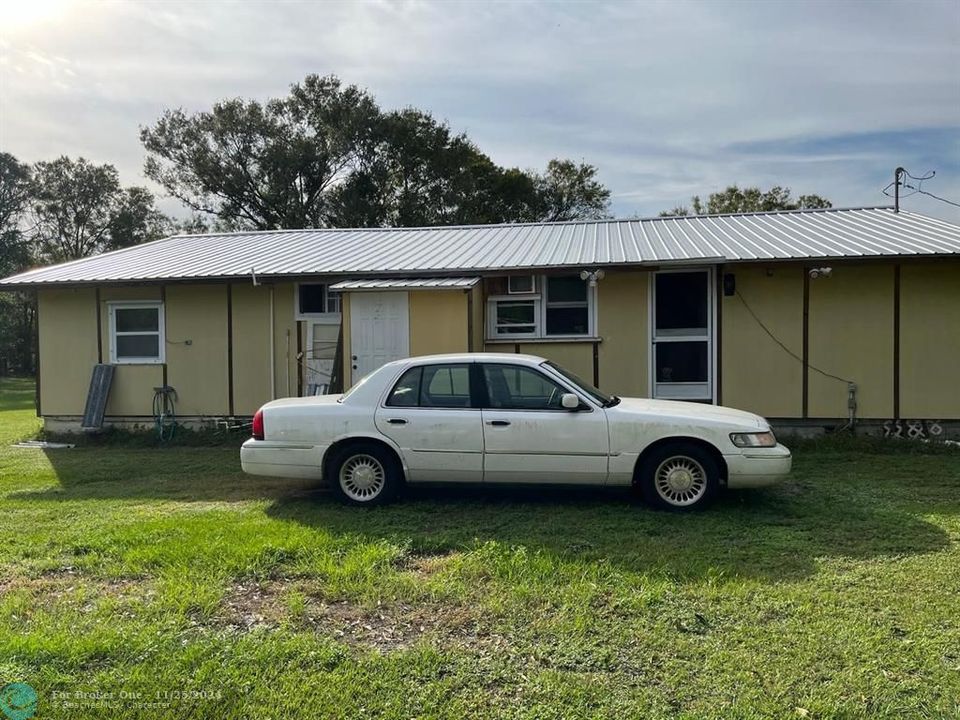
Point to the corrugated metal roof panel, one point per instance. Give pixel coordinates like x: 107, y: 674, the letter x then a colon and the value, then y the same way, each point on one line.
x: 408, y: 284
x: 821, y: 234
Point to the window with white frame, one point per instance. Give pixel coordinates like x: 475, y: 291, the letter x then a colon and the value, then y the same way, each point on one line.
x: 136, y: 332
x: 564, y: 308
x: 317, y: 299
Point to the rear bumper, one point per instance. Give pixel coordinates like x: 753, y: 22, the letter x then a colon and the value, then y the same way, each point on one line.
x: 757, y: 467
x: 275, y: 459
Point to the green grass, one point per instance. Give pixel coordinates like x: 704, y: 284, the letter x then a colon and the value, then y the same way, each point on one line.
x: 165, y: 572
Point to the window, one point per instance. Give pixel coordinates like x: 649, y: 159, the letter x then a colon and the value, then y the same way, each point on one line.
x: 514, y: 387
x: 515, y: 318
x: 433, y: 386
x: 136, y: 332
x: 406, y: 393
x: 315, y: 299
x: 521, y: 284
x: 565, y: 309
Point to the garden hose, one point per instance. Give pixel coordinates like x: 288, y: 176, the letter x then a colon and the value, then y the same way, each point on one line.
x: 164, y: 415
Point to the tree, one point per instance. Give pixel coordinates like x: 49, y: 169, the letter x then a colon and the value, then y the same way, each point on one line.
x: 15, y: 183
x: 751, y: 199
x: 80, y: 209
x: 17, y: 309
x: 568, y: 191
x: 327, y: 156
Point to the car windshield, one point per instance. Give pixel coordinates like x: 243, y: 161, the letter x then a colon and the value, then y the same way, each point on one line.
x: 598, y: 395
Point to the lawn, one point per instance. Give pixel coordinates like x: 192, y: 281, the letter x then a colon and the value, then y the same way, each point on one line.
x: 161, y: 582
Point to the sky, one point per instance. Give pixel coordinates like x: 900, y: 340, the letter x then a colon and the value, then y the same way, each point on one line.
x: 666, y: 99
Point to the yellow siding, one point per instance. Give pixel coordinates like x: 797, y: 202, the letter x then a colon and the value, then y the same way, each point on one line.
x: 438, y: 322
x: 757, y: 374
x: 67, y: 323
x: 132, y: 389
x: 576, y: 356
x: 851, y: 336
x: 622, y: 324
x: 251, y: 347
x: 930, y: 341
x: 197, y: 371
x: 285, y: 340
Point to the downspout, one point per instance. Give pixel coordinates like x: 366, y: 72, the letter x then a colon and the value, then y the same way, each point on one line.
x: 287, y: 359
x: 273, y: 359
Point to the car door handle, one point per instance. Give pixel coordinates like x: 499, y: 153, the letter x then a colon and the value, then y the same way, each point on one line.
x: 397, y: 421
x: 498, y: 423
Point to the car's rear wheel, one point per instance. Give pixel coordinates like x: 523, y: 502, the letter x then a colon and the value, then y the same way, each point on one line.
x: 679, y: 477
x: 365, y: 474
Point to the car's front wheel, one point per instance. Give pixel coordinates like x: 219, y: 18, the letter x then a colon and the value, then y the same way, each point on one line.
x: 365, y: 474
x: 679, y: 476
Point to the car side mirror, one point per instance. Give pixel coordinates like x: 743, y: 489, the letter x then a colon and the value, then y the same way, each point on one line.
x: 569, y: 401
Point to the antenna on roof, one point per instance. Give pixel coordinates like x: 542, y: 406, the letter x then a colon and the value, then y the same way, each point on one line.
x: 897, y: 174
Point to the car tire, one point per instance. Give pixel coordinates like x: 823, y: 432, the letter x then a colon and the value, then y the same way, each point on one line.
x: 680, y: 477
x: 365, y: 474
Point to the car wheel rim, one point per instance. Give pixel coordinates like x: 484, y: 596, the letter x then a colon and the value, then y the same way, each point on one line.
x: 362, y: 477
x: 680, y: 480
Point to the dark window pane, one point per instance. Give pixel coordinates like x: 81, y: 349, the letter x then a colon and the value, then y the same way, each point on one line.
x: 138, y: 346
x: 515, y: 313
x: 406, y: 392
x: 567, y: 288
x: 567, y: 321
x: 515, y: 387
x: 682, y: 301
x: 445, y: 386
x: 681, y: 362
x: 137, y: 319
x: 311, y: 299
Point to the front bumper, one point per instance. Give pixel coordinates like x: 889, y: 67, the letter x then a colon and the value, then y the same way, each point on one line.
x: 757, y: 467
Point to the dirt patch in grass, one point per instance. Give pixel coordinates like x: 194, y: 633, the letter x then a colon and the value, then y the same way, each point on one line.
x: 385, y: 627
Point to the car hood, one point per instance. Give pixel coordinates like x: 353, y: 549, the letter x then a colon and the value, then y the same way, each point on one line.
x: 688, y: 412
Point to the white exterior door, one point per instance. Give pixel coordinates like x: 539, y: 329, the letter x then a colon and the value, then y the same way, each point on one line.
x: 379, y: 330
x: 682, y: 312
x: 529, y: 437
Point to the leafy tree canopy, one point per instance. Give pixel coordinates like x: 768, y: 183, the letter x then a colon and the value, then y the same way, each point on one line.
x: 752, y: 199
x: 80, y: 209
x: 326, y: 155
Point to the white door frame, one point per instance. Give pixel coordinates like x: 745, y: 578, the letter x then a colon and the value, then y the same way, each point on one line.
x: 709, y: 338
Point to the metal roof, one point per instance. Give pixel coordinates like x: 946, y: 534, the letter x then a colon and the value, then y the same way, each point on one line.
x: 822, y: 234
x: 446, y: 283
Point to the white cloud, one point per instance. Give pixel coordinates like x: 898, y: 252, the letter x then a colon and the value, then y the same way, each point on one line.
x: 661, y: 96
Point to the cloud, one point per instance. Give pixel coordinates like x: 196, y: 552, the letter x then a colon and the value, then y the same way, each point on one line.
x: 668, y: 99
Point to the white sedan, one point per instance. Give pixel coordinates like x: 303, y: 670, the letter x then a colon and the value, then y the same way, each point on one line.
x: 498, y: 418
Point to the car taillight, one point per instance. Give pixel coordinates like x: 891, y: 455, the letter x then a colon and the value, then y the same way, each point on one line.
x: 258, y: 425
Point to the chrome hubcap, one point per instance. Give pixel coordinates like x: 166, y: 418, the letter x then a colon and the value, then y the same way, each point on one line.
x: 680, y: 480
x: 362, y: 477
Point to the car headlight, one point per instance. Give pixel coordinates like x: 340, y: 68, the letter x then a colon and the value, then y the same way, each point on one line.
x: 751, y: 440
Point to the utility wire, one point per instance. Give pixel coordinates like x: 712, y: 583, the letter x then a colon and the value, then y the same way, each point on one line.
x: 937, y: 197
x: 919, y: 187
x: 787, y: 350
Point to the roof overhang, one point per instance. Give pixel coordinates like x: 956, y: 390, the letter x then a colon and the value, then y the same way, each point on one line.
x: 426, y: 283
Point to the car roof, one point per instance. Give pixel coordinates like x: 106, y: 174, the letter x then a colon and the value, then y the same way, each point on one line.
x: 514, y: 358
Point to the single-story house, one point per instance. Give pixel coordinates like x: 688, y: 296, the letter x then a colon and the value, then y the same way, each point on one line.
x: 807, y: 317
